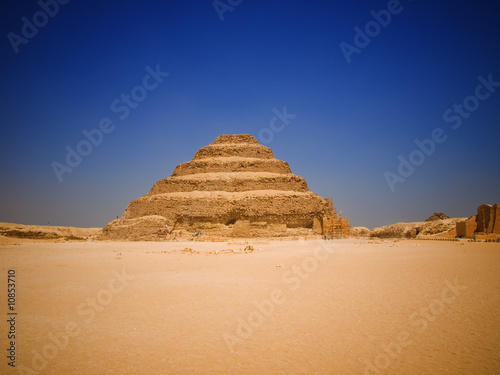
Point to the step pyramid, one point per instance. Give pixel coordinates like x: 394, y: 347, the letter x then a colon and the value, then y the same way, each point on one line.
x: 234, y: 187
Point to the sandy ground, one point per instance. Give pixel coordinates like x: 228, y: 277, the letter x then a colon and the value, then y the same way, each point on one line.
x: 316, y: 307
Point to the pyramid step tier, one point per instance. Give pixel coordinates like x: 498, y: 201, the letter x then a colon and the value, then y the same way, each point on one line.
x: 296, y: 209
x: 230, y: 182
x: 235, y: 138
x: 231, y: 164
x: 234, y: 149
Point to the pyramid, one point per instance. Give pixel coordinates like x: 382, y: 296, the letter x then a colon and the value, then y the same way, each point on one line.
x: 234, y: 187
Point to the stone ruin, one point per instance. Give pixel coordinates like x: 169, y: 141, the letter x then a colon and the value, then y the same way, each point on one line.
x: 485, y: 225
x: 437, y: 216
x: 234, y: 187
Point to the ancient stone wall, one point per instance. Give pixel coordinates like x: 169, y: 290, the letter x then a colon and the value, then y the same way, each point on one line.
x: 488, y: 218
x: 486, y: 222
x: 467, y: 228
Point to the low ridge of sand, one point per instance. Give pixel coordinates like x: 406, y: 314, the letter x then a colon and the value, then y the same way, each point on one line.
x: 445, y: 228
x: 16, y: 233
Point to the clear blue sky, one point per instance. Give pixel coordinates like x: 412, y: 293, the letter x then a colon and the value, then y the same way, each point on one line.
x: 352, y: 120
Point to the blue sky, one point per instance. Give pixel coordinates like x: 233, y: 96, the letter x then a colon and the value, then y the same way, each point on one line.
x: 353, y: 120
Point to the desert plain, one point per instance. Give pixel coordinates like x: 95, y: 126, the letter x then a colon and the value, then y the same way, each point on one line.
x: 351, y: 306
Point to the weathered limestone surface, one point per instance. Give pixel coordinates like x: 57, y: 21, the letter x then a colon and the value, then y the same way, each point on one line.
x: 437, y: 216
x: 488, y: 218
x: 485, y: 223
x: 295, y: 209
x: 232, y: 187
x: 230, y: 182
x: 467, y: 227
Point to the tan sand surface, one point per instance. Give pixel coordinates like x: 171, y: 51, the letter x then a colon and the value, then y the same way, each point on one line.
x: 293, y: 307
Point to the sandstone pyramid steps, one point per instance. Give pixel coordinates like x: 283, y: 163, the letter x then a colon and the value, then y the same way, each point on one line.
x: 231, y: 182
x: 296, y: 209
x: 232, y: 187
x: 236, y: 195
x: 437, y: 216
x: 231, y: 164
x: 235, y: 139
x: 234, y: 149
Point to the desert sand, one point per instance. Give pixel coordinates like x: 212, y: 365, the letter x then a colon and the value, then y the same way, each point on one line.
x: 287, y: 307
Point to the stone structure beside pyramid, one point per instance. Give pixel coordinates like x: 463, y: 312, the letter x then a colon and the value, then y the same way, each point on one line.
x: 485, y: 225
x: 234, y: 187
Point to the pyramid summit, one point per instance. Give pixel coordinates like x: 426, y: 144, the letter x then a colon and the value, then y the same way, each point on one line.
x: 233, y: 187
